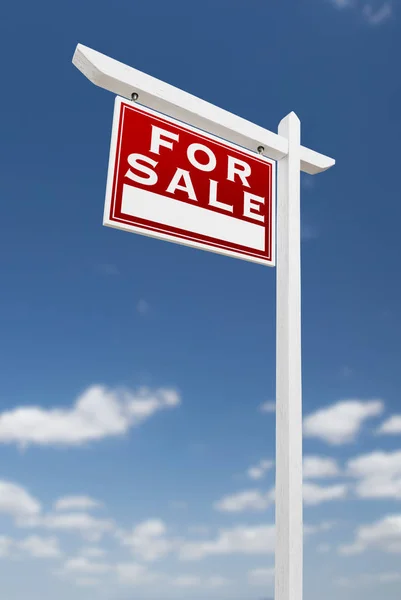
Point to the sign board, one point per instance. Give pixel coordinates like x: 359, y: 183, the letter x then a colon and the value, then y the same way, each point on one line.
x: 174, y: 182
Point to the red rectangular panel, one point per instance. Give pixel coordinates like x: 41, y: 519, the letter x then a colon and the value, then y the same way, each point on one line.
x: 168, y: 180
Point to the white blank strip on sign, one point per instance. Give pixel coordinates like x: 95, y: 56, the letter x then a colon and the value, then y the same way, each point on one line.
x: 173, y: 213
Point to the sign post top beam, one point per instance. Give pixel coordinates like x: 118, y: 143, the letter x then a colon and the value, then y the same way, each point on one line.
x: 123, y: 80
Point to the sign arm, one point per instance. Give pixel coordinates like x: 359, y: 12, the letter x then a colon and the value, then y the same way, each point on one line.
x: 123, y: 80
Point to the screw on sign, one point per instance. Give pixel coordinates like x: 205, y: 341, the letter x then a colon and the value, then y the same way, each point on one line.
x: 172, y: 181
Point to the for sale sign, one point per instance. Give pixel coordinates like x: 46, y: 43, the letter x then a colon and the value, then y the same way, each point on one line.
x: 169, y: 180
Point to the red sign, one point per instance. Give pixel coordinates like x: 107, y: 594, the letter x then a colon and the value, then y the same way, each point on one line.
x: 169, y: 180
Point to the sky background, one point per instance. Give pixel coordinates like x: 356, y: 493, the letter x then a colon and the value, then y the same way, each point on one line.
x: 138, y: 377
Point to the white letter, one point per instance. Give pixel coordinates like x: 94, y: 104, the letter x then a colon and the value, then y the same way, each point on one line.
x: 188, y: 187
x: 193, y: 148
x: 157, y: 140
x: 249, y: 206
x: 240, y: 168
x: 213, y: 198
x: 151, y: 178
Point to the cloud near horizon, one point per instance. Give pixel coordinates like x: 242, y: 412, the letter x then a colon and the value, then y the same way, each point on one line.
x: 373, y: 13
x: 340, y: 423
x: 99, y: 412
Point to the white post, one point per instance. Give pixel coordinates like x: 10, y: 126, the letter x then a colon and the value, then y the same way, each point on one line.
x: 289, y: 522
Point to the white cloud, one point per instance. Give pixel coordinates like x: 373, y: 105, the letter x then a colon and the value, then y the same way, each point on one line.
x: 378, y: 474
x: 259, y: 471
x: 187, y: 581
x: 375, y: 463
x: 307, y: 181
x: 6, y: 545
x: 33, y: 546
x: 364, y: 579
x: 76, y: 503
x: 318, y: 528
x: 88, y: 526
x: 319, y: 467
x: 82, y: 569
x: 81, y: 564
x: 346, y: 371
x: 98, y: 413
x: 198, y: 530
x: 252, y: 500
x: 351, y: 549
x: 16, y: 501
x: 372, y: 15
x: 378, y: 16
x: 179, y: 505
x: 87, y: 581
x: 267, y: 407
x: 323, y: 548
x: 392, y: 426
x: 340, y: 423
x: 259, y: 539
x: 216, y: 581
x: 389, y: 577
x: 92, y: 552
x: 384, y: 535
x: 107, y: 269
x: 143, y: 307
x: 315, y: 494
x: 308, y: 232
x: 40, y: 547
x: 135, y: 574
x: 194, y: 581
x: 342, y: 3
x: 261, y: 577
x: 148, y: 540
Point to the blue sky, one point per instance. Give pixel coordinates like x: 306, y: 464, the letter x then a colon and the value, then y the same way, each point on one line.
x: 137, y: 445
